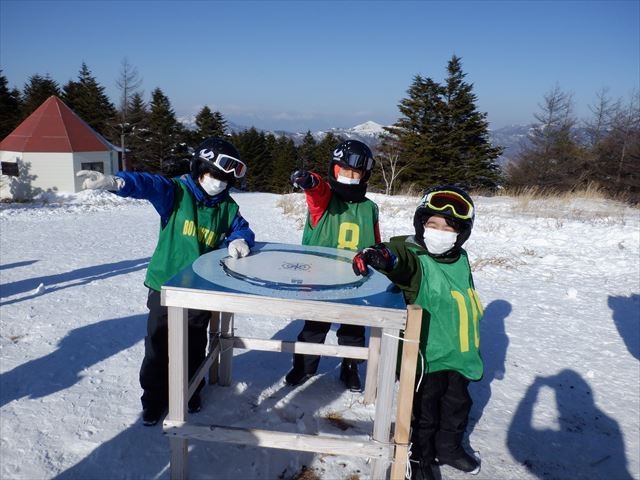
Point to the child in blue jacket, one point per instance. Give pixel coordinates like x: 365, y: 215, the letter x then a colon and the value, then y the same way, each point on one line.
x: 197, y: 215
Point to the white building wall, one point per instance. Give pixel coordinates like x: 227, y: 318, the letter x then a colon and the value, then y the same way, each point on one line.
x: 106, y: 158
x: 49, y: 172
x: 5, y: 181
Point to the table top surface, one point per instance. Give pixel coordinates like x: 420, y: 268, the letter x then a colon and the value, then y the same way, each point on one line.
x: 278, y: 270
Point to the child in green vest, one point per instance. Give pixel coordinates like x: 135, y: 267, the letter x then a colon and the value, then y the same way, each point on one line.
x: 433, y: 271
x: 339, y: 216
x: 197, y: 215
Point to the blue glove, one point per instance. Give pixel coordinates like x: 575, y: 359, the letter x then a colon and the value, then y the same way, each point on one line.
x: 303, y: 179
x: 378, y: 257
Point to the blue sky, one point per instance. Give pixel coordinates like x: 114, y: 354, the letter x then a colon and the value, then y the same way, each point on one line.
x: 300, y: 65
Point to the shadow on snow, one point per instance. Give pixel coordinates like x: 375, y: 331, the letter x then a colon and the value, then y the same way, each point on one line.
x: 581, y: 442
x: 81, y: 348
x: 251, y: 401
x: 74, y: 278
x: 626, y: 317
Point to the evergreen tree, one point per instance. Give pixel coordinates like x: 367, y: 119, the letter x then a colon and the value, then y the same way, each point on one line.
x: 252, y: 146
x: 285, y: 157
x: 10, y: 104
x: 87, y: 99
x: 307, y: 153
x: 139, y: 135
x: 209, y: 124
x: 417, y: 134
x: 36, y: 91
x: 164, y: 135
x: 468, y: 153
x: 323, y: 153
x: 441, y: 137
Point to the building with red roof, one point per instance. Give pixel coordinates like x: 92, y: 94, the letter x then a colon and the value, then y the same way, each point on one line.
x: 44, y: 153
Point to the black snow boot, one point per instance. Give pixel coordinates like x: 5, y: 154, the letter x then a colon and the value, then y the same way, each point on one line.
x: 451, y: 452
x: 349, y: 375
x: 422, y: 471
x: 297, y: 375
x: 195, y: 403
x: 463, y: 462
x: 152, y: 414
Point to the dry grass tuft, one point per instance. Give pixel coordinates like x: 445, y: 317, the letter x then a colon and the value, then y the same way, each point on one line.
x: 504, y: 262
x: 294, y: 204
x: 589, y: 205
x: 591, y: 192
x: 291, y: 205
x: 306, y: 474
x: 335, y: 419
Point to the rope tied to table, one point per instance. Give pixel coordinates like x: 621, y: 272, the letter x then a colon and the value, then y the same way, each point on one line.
x: 402, y: 339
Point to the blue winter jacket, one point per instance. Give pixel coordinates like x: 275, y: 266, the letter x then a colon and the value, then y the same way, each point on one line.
x: 160, y: 191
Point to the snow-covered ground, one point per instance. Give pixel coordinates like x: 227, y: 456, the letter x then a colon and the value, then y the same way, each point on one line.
x: 560, y: 399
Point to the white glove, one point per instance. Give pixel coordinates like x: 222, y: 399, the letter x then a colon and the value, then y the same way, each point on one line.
x: 238, y: 248
x: 97, y: 181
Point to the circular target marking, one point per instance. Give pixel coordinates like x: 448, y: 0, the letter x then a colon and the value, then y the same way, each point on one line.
x: 285, y: 269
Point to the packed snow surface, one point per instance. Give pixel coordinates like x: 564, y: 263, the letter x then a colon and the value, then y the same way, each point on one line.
x: 560, y: 284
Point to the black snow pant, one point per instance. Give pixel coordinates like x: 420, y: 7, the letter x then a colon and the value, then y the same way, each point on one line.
x: 316, y: 332
x: 441, y: 409
x: 154, y: 372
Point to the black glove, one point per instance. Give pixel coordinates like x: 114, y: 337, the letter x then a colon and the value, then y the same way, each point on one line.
x: 378, y: 256
x: 303, y: 179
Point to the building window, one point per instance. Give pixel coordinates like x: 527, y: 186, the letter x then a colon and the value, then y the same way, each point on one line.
x: 9, y: 168
x: 95, y: 166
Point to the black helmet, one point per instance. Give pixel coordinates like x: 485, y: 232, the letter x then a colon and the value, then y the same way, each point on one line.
x: 451, y: 202
x: 353, y: 154
x: 219, y: 158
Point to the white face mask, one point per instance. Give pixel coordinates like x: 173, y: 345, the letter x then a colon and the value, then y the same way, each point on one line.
x: 211, y: 185
x: 347, y: 180
x: 439, y: 241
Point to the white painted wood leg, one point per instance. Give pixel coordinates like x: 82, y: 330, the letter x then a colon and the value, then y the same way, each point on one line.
x: 214, y: 342
x: 226, y: 348
x: 371, y: 379
x: 404, y: 403
x: 178, y: 388
x: 384, y: 402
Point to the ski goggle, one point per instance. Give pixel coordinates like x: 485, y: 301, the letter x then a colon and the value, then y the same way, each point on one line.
x: 225, y: 163
x: 353, y: 160
x: 448, y: 200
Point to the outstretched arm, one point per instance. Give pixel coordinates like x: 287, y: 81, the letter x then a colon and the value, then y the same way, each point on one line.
x: 146, y: 186
x: 316, y: 190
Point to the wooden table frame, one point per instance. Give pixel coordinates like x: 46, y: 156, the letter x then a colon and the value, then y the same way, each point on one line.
x: 385, y: 323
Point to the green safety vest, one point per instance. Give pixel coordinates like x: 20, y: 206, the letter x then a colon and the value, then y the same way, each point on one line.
x: 343, y: 225
x: 450, y: 334
x: 191, y: 231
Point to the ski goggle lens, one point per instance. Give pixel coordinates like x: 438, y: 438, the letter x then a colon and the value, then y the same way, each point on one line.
x: 355, y: 161
x: 230, y: 164
x: 446, y: 199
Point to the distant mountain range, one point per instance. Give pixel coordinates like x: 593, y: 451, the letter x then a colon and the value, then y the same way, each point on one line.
x: 511, y: 137
x: 367, y: 132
